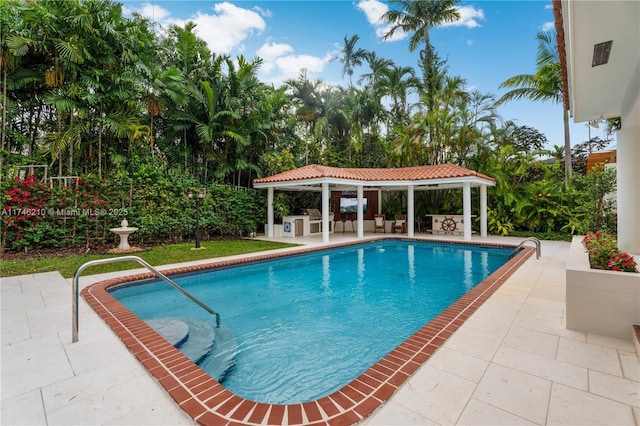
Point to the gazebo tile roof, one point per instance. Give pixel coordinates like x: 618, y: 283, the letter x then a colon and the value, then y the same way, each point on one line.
x: 416, y: 173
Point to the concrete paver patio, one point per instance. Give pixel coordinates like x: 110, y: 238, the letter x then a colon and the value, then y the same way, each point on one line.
x: 512, y: 362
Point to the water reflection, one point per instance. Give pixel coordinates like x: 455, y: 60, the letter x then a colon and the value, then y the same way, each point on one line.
x: 412, y: 264
x: 326, y: 272
x: 468, y: 270
x: 360, y: 266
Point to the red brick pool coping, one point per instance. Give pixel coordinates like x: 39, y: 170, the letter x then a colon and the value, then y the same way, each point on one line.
x: 209, y: 403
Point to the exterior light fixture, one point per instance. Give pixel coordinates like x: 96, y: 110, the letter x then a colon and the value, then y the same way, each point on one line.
x: 199, y: 196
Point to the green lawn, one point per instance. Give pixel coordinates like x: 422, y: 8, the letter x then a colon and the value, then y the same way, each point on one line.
x: 159, y: 255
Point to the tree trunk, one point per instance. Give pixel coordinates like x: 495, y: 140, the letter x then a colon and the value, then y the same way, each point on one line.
x: 71, y: 159
x: 4, y: 114
x: 100, y: 152
x: 100, y: 144
x: 151, y: 139
x: 568, y: 168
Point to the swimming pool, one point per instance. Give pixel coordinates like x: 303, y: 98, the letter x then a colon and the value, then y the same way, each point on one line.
x: 210, y: 403
x: 306, y: 326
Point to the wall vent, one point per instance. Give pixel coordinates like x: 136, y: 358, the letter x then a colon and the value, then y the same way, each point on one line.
x: 601, y: 53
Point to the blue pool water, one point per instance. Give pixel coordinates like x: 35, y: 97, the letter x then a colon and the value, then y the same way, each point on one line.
x: 307, y: 325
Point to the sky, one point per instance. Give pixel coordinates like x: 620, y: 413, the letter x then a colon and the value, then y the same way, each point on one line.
x: 493, y: 41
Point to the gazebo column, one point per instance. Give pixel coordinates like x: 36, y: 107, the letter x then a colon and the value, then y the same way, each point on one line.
x: 360, y: 213
x: 269, y: 230
x: 466, y: 209
x: 410, y: 210
x: 483, y: 210
x: 325, y: 212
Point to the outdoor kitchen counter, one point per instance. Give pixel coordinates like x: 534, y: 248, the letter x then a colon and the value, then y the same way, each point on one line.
x: 303, y: 225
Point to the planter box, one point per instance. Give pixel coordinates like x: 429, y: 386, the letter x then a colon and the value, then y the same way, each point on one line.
x: 598, y: 301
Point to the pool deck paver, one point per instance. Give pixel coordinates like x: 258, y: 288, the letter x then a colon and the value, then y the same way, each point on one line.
x: 512, y: 362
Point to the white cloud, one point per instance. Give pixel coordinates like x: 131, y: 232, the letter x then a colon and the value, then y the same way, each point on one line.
x: 469, y: 42
x: 469, y: 17
x: 373, y: 11
x: 548, y: 26
x: 281, y: 63
x: 228, y: 28
x: 223, y: 31
x: 264, y: 12
x: 148, y: 10
x: 271, y: 51
x: 292, y: 64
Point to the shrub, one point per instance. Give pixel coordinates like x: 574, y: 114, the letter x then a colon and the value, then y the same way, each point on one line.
x: 622, y: 262
x: 38, y: 216
x: 601, y: 247
x: 604, y: 254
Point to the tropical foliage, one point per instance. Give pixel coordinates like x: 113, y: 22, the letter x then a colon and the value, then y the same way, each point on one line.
x: 99, y: 108
x: 544, y: 85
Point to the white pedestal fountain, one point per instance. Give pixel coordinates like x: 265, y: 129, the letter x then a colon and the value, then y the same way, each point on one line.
x: 123, y: 232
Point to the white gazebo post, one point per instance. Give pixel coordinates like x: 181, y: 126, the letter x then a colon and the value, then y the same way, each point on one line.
x: 466, y: 209
x: 360, y: 213
x: 410, y: 208
x: 483, y: 210
x: 325, y: 212
x: 269, y: 230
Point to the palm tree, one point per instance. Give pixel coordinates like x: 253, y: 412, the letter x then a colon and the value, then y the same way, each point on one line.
x: 305, y: 95
x: 418, y: 17
x: 544, y: 85
x: 189, y: 52
x: 182, y: 48
x: 351, y: 57
x: 397, y: 83
x: 9, y: 61
x: 162, y: 87
x: 377, y: 65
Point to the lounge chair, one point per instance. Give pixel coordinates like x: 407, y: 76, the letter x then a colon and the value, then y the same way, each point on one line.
x: 379, y: 223
x: 399, y: 223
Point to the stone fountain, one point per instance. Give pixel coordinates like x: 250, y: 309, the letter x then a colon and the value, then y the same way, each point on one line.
x: 123, y: 232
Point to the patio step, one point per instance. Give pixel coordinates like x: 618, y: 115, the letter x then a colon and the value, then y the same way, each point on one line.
x: 214, y: 349
x: 195, y: 338
x: 201, y: 340
x: 174, y: 331
x: 222, y: 359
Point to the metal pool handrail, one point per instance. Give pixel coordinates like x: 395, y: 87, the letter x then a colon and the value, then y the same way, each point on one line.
x: 532, y: 239
x: 76, y: 280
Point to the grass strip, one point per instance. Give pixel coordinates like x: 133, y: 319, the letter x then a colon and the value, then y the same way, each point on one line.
x: 156, y: 256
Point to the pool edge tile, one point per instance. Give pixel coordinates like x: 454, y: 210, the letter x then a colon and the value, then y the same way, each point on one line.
x: 209, y: 403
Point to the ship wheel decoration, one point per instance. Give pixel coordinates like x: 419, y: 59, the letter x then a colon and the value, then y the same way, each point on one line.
x: 448, y: 224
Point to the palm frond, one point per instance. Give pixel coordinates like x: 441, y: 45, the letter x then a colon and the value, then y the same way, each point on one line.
x: 70, y: 50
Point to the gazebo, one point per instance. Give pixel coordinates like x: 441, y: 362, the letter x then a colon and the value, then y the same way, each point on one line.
x: 410, y: 179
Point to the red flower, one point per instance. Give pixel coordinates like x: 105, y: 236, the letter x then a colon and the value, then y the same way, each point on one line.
x: 622, y: 262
